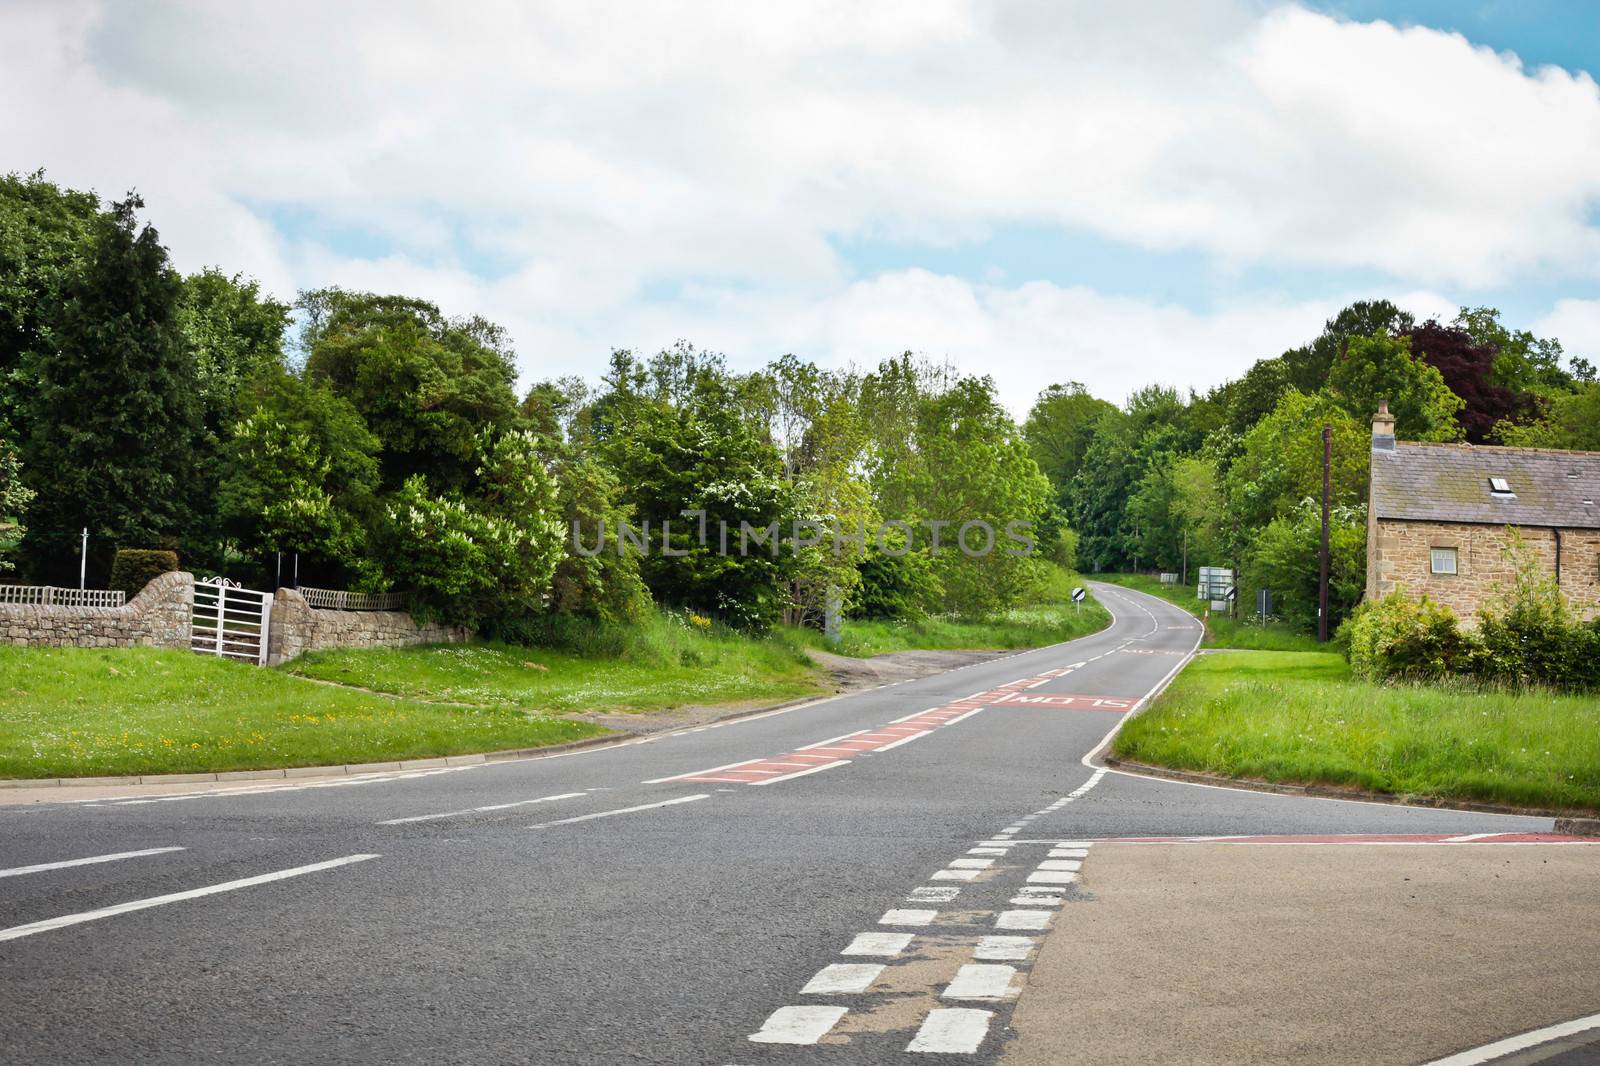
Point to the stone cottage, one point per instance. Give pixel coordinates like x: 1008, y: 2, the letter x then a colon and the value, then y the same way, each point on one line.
x: 1441, y: 517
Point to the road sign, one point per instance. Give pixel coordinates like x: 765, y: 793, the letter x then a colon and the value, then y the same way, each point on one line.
x: 1078, y: 594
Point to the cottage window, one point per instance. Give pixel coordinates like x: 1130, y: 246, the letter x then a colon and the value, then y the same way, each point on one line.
x: 1499, y: 486
x: 1443, y: 560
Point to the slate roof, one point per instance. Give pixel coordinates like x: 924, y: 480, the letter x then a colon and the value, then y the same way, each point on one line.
x: 1450, y: 483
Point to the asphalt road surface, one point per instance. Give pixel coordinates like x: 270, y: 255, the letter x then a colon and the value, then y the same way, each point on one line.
x: 865, y: 879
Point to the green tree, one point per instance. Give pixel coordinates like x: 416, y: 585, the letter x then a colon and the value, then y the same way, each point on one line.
x: 235, y: 334
x: 46, y: 235
x: 1280, y: 463
x: 1285, y: 558
x: 1382, y: 367
x: 1571, y: 421
x: 1309, y: 366
x: 300, y: 474
x: 1059, y: 429
x: 593, y: 578
x: 1100, y: 490
x: 113, y: 415
x: 478, y: 558
x: 425, y: 385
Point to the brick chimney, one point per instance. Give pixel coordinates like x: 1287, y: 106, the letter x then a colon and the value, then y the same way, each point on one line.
x: 1383, y: 428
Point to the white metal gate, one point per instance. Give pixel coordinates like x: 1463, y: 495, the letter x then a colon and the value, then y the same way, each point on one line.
x: 230, y: 621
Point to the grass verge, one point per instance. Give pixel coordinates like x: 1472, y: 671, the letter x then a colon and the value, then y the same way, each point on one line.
x: 667, y: 663
x: 1221, y: 631
x: 1050, y: 619
x: 74, y: 712
x: 1300, y: 717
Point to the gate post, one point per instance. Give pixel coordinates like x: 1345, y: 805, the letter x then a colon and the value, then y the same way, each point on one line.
x: 222, y: 612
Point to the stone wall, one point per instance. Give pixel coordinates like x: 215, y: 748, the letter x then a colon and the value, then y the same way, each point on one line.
x: 297, y: 628
x: 1399, y: 555
x: 158, y: 618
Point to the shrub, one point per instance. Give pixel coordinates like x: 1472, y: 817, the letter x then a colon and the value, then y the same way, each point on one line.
x: 1534, y: 638
x: 134, y: 568
x: 1398, y: 637
x: 896, y: 588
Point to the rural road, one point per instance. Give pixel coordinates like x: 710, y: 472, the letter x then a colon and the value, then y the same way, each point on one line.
x: 923, y: 871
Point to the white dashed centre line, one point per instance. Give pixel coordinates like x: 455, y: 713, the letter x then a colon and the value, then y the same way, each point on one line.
x: 18, y: 871
x: 483, y: 810
x: 16, y: 932
x: 622, y: 810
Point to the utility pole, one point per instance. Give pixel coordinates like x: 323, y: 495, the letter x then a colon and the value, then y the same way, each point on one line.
x: 1322, y: 584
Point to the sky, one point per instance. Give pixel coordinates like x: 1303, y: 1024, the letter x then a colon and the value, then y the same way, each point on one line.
x: 1115, y: 194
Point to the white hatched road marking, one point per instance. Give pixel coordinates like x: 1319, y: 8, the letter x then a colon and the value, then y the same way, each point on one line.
x: 954, y: 875
x: 16, y: 932
x: 971, y: 864
x: 622, y: 810
x: 883, y: 944
x: 982, y: 980
x: 1061, y: 864
x: 842, y: 978
x: 798, y: 1025
x: 483, y: 810
x: 1052, y: 877
x: 802, y: 773
x: 375, y: 778
x: 18, y: 871
x: 952, y: 1031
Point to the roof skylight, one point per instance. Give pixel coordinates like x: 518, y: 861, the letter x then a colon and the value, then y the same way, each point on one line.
x: 1499, y: 486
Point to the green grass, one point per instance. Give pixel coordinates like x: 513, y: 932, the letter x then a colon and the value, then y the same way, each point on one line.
x: 1051, y: 619
x: 1221, y: 631
x: 659, y: 669
x: 71, y: 712
x: 1299, y: 717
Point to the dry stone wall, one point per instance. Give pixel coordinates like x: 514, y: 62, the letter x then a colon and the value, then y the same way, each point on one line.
x: 158, y: 617
x: 297, y: 628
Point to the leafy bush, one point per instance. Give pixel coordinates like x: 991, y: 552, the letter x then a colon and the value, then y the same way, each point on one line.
x: 134, y: 568
x: 1535, y: 639
x: 896, y: 588
x: 1398, y: 637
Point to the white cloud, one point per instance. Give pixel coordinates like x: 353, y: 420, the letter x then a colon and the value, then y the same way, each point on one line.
x: 1576, y: 323
x: 548, y: 164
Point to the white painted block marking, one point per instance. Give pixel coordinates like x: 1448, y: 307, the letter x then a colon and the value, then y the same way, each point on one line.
x: 16, y: 932
x: 882, y: 944
x: 952, y: 1031
x: 482, y: 810
x: 981, y: 980
x: 1023, y: 920
x: 934, y: 894
x: 841, y: 978
x: 622, y: 810
x: 798, y: 1025
x: 1052, y: 877
x: 1035, y: 901
x: 971, y: 864
x: 953, y: 875
x: 1069, y: 853
x: 18, y: 871
x: 907, y: 917
x: 1004, y: 948
x: 987, y: 851
x: 1061, y: 864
